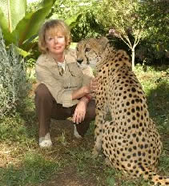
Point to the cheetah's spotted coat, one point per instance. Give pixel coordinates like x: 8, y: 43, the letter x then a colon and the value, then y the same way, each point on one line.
x: 130, y: 141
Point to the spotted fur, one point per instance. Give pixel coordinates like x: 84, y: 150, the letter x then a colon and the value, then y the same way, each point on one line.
x: 130, y: 141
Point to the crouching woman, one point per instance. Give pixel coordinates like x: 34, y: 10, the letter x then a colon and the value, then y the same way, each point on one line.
x: 63, y: 90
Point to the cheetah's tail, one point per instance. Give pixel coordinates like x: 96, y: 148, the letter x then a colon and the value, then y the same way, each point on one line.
x: 153, y: 177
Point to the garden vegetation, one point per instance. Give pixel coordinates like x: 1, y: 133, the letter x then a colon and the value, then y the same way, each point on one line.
x: 138, y: 26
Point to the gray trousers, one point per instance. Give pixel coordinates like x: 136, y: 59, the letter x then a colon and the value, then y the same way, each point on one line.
x: 47, y: 108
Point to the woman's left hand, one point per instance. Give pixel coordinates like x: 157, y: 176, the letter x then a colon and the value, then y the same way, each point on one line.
x: 80, y: 112
x: 94, y: 85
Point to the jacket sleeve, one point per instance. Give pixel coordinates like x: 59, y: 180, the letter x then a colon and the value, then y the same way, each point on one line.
x: 55, y: 87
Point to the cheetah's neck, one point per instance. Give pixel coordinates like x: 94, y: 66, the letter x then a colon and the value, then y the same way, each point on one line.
x: 112, y: 57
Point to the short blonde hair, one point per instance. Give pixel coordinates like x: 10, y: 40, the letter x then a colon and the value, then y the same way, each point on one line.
x: 53, y: 26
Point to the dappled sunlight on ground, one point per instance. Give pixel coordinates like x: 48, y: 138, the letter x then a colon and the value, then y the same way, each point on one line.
x: 7, y: 156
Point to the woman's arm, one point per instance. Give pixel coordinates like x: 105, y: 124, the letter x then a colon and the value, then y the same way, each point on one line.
x: 85, y: 90
x: 80, y: 111
x: 76, y: 94
x: 84, y: 93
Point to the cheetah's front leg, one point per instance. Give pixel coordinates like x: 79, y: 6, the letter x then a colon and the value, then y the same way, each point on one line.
x: 99, y: 121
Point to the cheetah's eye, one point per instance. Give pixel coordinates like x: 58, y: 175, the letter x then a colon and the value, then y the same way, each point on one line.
x: 87, y: 49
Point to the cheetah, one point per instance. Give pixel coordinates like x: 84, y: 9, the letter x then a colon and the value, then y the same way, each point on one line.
x: 130, y: 140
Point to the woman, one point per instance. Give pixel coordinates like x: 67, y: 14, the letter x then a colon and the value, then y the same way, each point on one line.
x: 63, y: 90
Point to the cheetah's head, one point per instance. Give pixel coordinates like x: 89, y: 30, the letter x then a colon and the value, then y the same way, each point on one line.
x: 89, y: 51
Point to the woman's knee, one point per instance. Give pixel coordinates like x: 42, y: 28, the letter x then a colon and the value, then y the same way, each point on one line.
x: 42, y: 91
x: 91, y: 110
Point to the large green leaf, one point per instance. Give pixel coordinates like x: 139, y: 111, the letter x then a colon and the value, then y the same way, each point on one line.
x: 3, y: 25
x: 13, y: 11
x: 30, y: 24
x: 27, y: 27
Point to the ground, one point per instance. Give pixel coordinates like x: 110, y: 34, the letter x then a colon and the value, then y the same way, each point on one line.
x: 23, y: 163
x: 68, y: 177
x: 62, y: 131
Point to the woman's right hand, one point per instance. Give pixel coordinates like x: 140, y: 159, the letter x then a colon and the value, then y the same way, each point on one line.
x: 80, y: 111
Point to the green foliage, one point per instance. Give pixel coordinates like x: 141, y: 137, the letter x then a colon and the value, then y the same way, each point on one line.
x: 11, y: 13
x: 20, y: 25
x: 121, y: 19
x: 14, y: 131
x: 65, y: 9
x: 33, y: 6
x: 154, y: 49
x: 80, y: 17
x: 86, y: 26
x: 111, y: 181
x: 141, y: 24
x: 24, y: 30
x: 14, y: 85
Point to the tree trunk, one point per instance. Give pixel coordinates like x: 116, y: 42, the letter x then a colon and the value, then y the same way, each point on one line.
x: 133, y: 58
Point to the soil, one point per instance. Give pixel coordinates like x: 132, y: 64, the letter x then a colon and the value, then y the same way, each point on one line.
x: 68, y: 176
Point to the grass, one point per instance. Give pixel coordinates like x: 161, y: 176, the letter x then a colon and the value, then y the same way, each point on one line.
x: 22, y: 163
x: 33, y: 169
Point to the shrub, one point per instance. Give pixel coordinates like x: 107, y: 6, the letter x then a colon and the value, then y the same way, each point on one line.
x: 14, y: 84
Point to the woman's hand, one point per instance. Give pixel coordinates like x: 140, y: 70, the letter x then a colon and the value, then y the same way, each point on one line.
x: 80, y: 111
x: 92, y: 87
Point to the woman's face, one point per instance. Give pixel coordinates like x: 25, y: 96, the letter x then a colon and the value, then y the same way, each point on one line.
x: 55, y: 42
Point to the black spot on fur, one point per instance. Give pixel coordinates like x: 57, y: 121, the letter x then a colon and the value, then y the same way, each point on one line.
x: 133, y: 89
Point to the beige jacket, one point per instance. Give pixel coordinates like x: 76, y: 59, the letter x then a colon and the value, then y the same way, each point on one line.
x: 61, y: 87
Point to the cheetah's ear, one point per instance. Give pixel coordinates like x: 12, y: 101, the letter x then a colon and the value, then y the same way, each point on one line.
x: 103, y: 41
